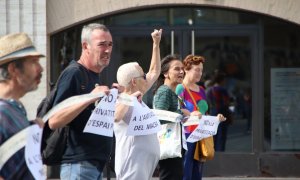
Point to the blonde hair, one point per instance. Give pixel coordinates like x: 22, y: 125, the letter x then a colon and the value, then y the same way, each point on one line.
x: 126, y: 72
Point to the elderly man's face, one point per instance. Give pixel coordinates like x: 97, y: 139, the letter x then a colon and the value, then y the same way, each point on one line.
x: 30, y: 76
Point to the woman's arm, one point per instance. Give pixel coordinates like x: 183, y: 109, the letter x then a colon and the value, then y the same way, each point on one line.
x: 121, y: 109
x: 155, y: 66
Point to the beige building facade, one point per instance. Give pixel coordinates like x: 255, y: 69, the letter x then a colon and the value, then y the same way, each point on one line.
x: 68, y: 12
x: 255, y: 41
x: 27, y: 16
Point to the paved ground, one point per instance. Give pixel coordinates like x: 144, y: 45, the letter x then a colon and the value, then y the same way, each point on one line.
x: 235, y: 178
x: 229, y: 178
x: 238, y: 141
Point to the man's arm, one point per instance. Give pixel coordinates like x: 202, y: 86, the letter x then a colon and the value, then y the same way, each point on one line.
x: 66, y: 115
x: 155, y: 66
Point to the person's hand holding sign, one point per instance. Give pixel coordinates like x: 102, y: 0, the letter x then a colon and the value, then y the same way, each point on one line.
x: 40, y: 122
x: 221, y: 117
x: 196, y: 113
x: 118, y: 86
x: 138, y: 95
x: 99, y: 89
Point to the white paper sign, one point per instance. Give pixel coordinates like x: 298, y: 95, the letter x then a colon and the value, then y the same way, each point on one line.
x: 167, y: 115
x: 101, y: 120
x: 143, y: 120
x: 33, y: 156
x: 208, y: 126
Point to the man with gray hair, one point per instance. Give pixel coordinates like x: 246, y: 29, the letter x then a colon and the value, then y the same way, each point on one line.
x: 136, y: 156
x: 85, y: 154
x: 20, y: 73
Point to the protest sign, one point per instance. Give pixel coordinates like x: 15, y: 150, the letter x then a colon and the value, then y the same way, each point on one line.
x: 208, y: 126
x: 143, y: 120
x: 33, y: 156
x: 102, y: 119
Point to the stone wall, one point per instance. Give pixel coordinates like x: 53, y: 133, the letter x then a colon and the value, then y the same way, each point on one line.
x: 65, y: 13
x: 27, y: 16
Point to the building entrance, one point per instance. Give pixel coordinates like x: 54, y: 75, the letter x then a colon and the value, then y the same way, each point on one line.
x: 232, y: 50
x: 256, y: 52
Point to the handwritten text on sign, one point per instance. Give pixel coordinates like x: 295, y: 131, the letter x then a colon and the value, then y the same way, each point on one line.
x: 208, y: 126
x: 32, y: 152
x: 143, y: 121
x: 102, y: 119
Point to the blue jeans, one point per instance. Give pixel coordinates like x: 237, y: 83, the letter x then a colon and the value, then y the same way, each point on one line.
x: 83, y: 170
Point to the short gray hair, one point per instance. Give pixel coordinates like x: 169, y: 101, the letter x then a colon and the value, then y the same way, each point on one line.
x: 88, y: 29
x: 126, y: 72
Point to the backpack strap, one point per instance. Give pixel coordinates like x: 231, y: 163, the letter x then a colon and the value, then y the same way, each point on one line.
x: 85, y: 80
x: 82, y: 73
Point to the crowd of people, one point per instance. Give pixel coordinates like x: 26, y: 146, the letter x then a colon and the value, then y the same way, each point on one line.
x: 85, y: 156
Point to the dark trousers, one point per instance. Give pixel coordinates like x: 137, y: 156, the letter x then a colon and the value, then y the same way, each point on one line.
x: 171, y: 169
x: 221, y: 137
x: 192, y: 168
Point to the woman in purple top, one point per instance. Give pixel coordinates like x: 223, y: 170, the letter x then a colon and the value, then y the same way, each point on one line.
x: 193, y: 67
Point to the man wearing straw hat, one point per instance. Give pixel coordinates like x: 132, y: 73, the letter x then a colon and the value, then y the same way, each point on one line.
x: 20, y: 73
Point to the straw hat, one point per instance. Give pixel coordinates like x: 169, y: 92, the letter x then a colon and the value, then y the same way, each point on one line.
x: 16, y: 46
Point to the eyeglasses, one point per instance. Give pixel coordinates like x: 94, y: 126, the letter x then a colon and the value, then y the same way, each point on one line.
x: 144, y: 76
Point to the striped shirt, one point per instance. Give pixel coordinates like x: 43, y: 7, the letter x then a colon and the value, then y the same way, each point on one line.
x: 12, y: 120
x: 166, y: 99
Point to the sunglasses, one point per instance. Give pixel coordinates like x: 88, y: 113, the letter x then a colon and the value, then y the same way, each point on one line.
x: 144, y: 76
x: 197, y: 58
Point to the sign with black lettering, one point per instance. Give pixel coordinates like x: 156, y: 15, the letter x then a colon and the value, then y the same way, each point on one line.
x: 143, y: 120
x: 208, y: 126
x: 102, y: 119
x: 33, y: 156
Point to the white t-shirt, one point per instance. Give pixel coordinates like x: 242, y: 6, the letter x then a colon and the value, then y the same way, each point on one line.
x: 136, y: 157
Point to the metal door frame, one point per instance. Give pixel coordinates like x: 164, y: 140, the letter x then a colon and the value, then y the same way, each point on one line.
x: 238, y: 163
x: 225, y: 163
